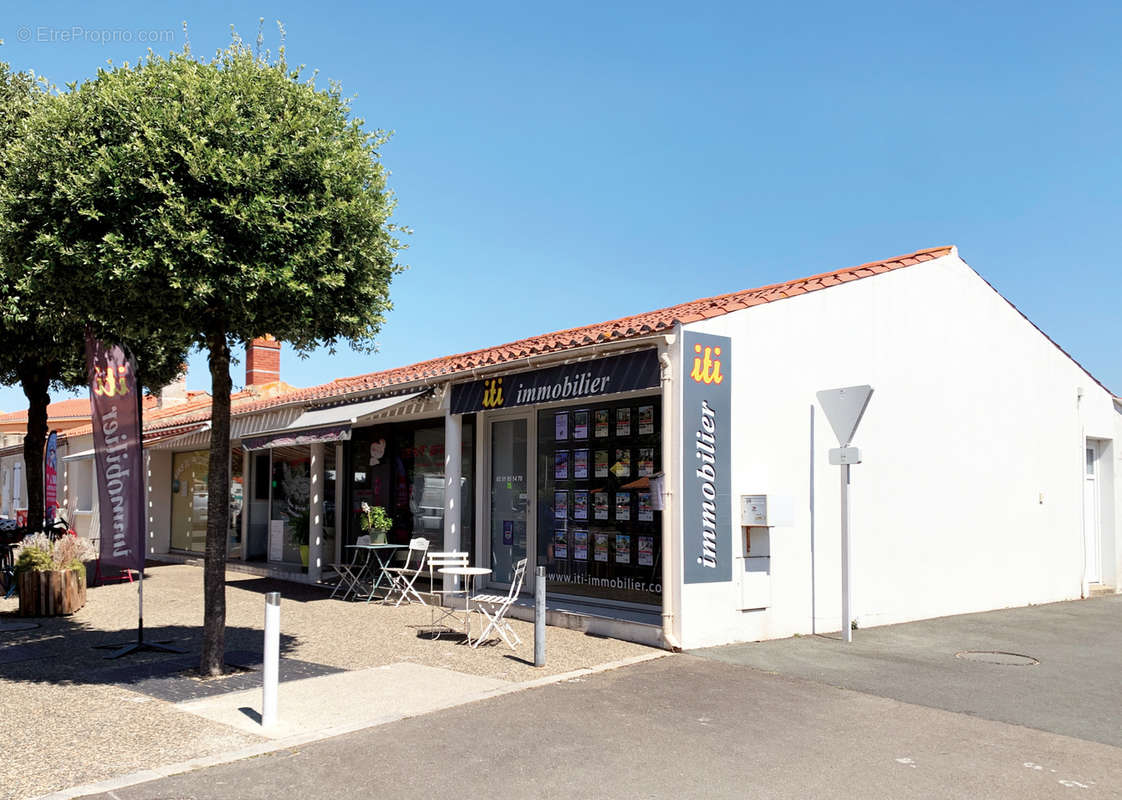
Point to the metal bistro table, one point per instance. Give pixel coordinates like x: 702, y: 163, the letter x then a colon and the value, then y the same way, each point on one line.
x: 469, y: 574
x: 382, y: 553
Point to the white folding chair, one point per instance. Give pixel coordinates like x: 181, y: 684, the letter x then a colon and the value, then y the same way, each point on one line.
x: 495, y: 606
x: 437, y: 562
x: 350, y: 573
x: 405, y: 576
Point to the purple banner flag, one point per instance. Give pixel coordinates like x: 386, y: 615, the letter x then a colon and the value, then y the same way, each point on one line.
x: 118, y: 456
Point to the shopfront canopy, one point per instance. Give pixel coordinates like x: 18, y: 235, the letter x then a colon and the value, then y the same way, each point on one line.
x: 332, y: 424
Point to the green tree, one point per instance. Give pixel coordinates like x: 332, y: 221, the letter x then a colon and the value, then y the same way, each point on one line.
x: 42, y: 336
x: 228, y: 199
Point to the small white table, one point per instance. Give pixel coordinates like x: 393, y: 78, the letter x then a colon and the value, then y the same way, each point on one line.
x: 469, y: 574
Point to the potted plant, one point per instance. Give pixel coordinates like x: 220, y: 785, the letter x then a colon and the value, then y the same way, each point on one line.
x: 52, y: 575
x: 299, y: 527
x: 376, y: 522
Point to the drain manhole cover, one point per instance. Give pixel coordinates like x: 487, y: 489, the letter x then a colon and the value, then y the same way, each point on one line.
x: 997, y: 657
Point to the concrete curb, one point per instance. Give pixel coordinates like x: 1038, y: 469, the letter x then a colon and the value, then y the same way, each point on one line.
x: 272, y: 746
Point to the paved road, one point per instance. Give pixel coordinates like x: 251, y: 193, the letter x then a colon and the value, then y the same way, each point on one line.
x: 1076, y: 689
x: 677, y: 727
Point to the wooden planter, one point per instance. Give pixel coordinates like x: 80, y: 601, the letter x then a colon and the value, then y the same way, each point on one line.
x: 48, y: 594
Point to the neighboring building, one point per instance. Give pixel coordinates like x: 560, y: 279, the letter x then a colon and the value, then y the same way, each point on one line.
x: 617, y: 456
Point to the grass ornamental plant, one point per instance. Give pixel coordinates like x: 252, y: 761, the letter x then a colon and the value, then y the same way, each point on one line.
x: 52, y: 574
x: 38, y: 553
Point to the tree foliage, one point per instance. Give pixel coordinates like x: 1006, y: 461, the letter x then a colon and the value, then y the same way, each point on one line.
x: 42, y: 327
x: 225, y: 199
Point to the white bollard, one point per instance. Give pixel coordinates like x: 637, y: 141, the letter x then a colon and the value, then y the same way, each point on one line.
x: 272, y: 657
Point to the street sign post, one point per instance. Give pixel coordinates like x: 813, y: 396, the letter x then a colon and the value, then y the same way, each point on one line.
x: 844, y: 409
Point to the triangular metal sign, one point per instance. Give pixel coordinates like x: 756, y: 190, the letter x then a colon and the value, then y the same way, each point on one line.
x: 844, y: 408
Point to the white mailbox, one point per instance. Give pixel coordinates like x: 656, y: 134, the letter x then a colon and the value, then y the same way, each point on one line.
x: 753, y: 510
x: 766, y: 511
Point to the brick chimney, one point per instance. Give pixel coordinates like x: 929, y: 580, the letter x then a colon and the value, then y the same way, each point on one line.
x: 262, y: 361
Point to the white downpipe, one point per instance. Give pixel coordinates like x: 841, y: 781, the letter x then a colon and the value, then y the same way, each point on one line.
x: 1084, y: 585
x: 669, y: 588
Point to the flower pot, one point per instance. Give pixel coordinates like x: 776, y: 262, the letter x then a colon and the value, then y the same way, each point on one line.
x: 377, y: 537
x: 49, y: 594
x: 304, y: 554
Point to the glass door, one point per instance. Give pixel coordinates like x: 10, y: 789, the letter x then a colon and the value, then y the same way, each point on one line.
x: 509, y: 496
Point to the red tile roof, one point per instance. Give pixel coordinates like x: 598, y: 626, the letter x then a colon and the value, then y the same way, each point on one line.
x: 631, y: 327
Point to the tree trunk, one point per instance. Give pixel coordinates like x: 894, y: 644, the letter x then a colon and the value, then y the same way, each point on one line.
x: 217, y: 510
x: 33, y: 378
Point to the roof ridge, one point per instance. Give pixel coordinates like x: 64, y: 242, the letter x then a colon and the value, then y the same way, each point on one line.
x: 627, y: 327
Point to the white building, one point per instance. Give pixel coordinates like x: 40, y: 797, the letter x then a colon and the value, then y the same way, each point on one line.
x: 612, y: 458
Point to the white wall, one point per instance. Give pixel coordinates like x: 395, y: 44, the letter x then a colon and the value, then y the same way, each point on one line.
x: 969, y: 496
x: 159, y: 501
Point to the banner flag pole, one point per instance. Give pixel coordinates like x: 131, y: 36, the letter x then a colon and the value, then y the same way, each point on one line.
x: 119, y: 459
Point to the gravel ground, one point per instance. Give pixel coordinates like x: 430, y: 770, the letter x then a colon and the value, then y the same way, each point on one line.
x: 67, y: 721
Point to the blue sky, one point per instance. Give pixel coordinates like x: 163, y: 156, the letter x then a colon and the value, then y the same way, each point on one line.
x: 575, y: 163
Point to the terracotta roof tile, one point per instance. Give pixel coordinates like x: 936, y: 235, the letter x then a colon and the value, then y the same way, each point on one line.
x: 624, y: 328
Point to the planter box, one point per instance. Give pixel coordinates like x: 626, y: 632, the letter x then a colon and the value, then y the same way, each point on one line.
x: 48, y: 594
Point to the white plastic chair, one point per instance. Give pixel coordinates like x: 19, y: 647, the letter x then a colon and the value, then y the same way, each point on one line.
x: 436, y: 562
x: 495, y: 606
x: 405, y: 576
x: 350, y: 573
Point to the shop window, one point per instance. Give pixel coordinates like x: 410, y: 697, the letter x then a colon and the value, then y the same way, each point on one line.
x: 599, y: 534
x: 237, y: 502
x: 189, y: 500
x: 83, y: 481
x: 290, y: 513
x: 401, y: 468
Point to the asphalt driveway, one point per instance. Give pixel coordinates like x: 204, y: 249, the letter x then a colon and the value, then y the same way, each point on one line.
x: 1070, y: 683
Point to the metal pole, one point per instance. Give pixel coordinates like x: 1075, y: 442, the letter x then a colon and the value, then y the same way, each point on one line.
x: 847, y: 611
x: 539, y: 617
x: 140, y: 606
x: 272, y: 656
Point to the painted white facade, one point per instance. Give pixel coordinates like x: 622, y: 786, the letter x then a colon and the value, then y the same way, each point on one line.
x: 970, y: 494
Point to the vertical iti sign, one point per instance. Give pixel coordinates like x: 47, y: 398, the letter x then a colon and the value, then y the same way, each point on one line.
x: 706, y: 458
x: 118, y: 456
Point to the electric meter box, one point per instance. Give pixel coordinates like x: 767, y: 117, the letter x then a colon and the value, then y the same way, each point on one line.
x: 766, y: 511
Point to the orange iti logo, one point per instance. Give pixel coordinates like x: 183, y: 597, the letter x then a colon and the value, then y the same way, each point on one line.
x: 108, y: 384
x: 492, y: 393
x: 707, y: 366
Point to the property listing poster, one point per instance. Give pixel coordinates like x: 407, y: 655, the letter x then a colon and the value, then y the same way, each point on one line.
x: 580, y: 465
x: 646, y: 551
x: 623, y: 549
x: 560, y: 546
x: 646, y: 420
x: 600, y: 420
x: 646, y: 461
x: 623, y: 422
x: 580, y: 424
x: 561, y: 426
x: 580, y: 545
x: 601, y: 464
x: 580, y: 504
x: 600, y: 547
x: 622, y: 467
x: 623, y: 506
x: 560, y: 505
x: 646, y: 513
x: 600, y: 505
x: 561, y: 465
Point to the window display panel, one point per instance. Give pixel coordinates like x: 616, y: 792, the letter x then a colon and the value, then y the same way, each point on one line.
x: 400, y: 467
x: 601, y: 536
x: 188, y: 500
x: 290, y: 513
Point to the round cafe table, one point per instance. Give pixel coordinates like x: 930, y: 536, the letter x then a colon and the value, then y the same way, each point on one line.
x: 469, y: 574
